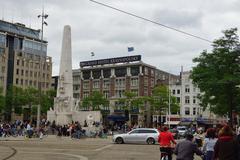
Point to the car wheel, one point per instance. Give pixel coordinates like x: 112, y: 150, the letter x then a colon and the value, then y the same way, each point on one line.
x: 119, y: 140
x: 150, y: 141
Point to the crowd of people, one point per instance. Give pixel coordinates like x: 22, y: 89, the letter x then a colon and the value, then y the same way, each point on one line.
x: 218, y: 144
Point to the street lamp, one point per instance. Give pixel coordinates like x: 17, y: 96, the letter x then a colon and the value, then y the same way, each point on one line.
x: 43, y: 16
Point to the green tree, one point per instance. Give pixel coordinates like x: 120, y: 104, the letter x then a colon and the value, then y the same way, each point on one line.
x: 217, y: 74
x: 2, y: 99
x: 47, y: 100
x: 31, y: 98
x: 14, y: 99
x: 95, y: 101
x: 160, y: 100
x: 131, y: 101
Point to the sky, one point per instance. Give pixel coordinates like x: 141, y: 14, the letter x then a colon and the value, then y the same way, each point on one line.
x: 108, y: 33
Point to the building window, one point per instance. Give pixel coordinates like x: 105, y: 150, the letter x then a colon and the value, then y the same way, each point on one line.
x: 96, y: 84
x: 96, y: 74
x: 187, y: 89
x: 135, y: 71
x: 152, y: 82
x: 134, y: 82
x: 17, y: 71
x: 194, y: 111
x: 145, y: 91
x: 135, y: 91
x: 119, y: 105
x: 106, y: 94
x: 18, y: 61
x: 173, y: 91
x: 22, y: 72
x: 145, y: 70
x: 26, y: 73
x: 120, y: 82
x: 119, y: 93
x: 120, y: 72
x: 178, y: 100
x: 26, y: 82
x: 194, y: 99
x: 85, y: 94
x: 86, y: 85
x: 145, y: 81
x: 106, y: 84
x: 16, y: 80
x: 187, y: 99
x: 187, y: 111
x: 152, y: 72
x: 178, y: 91
x: 31, y: 73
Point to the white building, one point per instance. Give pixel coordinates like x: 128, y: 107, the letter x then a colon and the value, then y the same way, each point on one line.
x: 187, y: 96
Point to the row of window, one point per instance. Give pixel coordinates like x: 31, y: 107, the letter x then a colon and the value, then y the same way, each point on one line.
x: 195, y: 111
x: 187, y: 100
x: 106, y: 83
x: 187, y: 90
x: 31, y: 83
x: 2, y: 40
x: 36, y: 65
x: 34, y: 45
x: 118, y: 93
x: 119, y: 72
x: 30, y: 73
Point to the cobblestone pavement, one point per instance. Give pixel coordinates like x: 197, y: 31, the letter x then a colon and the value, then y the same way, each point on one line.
x: 53, y: 148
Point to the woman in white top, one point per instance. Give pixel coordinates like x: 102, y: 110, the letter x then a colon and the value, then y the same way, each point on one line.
x: 209, y: 143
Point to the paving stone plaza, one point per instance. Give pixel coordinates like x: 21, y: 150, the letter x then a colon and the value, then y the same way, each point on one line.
x: 53, y: 148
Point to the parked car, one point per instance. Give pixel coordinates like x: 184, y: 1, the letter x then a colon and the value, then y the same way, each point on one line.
x: 182, y: 130
x: 139, y: 135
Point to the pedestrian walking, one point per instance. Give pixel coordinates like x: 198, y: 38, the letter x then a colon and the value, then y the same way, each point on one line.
x: 209, y: 143
x: 226, y: 147
x: 186, y: 149
x: 166, y: 140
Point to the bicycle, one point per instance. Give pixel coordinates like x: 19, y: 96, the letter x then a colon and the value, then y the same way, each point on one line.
x: 164, y: 156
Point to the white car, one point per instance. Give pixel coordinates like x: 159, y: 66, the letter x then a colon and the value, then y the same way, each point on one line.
x: 182, y: 130
x: 139, y: 135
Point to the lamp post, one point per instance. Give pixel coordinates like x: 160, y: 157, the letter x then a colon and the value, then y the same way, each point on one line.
x: 43, y: 16
x: 169, y: 100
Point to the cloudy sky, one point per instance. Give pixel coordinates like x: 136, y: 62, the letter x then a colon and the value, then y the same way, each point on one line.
x: 108, y: 33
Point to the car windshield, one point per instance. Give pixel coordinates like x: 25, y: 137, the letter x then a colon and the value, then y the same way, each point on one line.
x: 182, y: 129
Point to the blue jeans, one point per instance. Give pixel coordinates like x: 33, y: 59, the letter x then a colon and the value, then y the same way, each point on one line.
x: 208, y: 155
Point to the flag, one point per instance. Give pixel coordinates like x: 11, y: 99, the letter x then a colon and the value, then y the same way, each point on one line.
x: 92, y: 54
x: 130, y: 49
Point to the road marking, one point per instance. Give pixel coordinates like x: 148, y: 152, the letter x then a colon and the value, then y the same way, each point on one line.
x: 65, y: 154
x: 102, y: 148
x: 13, y: 153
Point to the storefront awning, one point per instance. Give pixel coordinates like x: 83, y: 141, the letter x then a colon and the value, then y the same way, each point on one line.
x: 116, y: 118
x: 172, y: 122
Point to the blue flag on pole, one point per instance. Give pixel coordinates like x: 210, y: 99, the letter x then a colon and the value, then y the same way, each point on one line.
x: 130, y: 49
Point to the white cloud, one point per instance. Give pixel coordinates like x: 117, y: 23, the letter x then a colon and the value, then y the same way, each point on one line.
x: 108, y: 33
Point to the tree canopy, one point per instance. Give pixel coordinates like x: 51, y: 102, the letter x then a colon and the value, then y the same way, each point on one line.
x: 95, y: 100
x: 217, y: 74
x: 160, y: 100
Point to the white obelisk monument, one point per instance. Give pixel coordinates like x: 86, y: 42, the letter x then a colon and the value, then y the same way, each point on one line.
x: 64, y: 103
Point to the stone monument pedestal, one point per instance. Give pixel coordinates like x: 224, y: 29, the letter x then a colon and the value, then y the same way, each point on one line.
x: 64, y: 118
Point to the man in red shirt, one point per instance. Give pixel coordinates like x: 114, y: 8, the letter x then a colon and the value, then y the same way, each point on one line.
x: 165, y: 140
